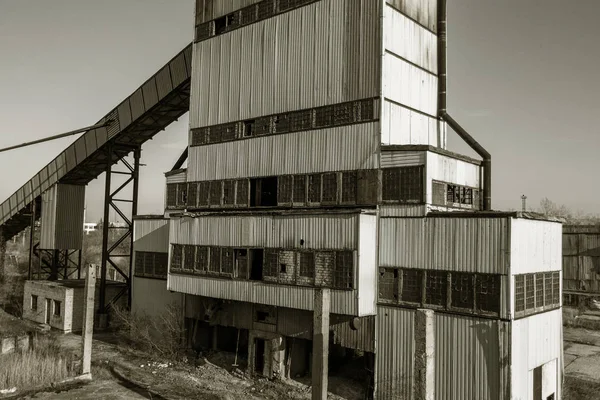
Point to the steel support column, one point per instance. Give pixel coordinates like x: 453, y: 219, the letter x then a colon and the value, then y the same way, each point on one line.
x: 31, y: 238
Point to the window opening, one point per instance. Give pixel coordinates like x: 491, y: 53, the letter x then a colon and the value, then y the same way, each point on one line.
x: 488, y: 293
x: 241, y: 263
x: 314, y: 188
x: 282, y: 268
x: 284, y: 189
x: 299, y: 193
x: 462, y: 290
x: 436, y: 288
x: 388, y: 284
x: 34, y: 302
x: 256, y: 260
x: 248, y: 127
x: 343, y: 273
x: 529, y: 292
x: 307, y: 264
x: 214, y: 263
x: 241, y: 197
x: 329, y: 188
x: 539, y: 290
x: 412, y: 285
x: 176, y: 256
x: 57, y: 308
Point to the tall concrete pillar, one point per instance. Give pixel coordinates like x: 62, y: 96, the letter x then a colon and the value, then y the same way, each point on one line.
x: 424, y: 363
x: 320, y: 359
x: 88, y: 319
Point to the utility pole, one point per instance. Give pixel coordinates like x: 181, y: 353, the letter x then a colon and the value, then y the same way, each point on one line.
x: 523, y: 203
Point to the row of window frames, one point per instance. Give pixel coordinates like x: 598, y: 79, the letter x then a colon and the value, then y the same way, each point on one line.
x: 151, y: 263
x: 468, y: 291
x: 235, y: 261
x: 398, y: 184
x: 56, y: 304
x: 327, y: 116
x: 453, y: 194
x: 246, y: 16
x: 534, y: 291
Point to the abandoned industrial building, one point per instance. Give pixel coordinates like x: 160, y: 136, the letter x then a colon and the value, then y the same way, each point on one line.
x: 320, y: 220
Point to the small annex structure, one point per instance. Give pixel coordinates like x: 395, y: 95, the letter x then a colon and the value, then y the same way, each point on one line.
x: 60, y: 303
x: 317, y: 163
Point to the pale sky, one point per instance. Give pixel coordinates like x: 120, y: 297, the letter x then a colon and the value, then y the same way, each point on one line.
x: 522, y: 81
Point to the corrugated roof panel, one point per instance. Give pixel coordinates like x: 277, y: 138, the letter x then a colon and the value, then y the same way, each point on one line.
x: 163, y: 82
x: 136, y: 101
x: 124, y: 112
x: 80, y: 149
x: 178, y: 70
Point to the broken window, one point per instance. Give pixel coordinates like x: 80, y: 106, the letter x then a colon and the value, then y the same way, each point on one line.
x: 539, y: 290
x: 314, y: 188
x: 139, y: 263
x: 487, y: 292
x: 344, y: 267
x: 214, y: 262
x: 171, y: 195
x: 255, y: 127
x: 34, y: 302
x: 329, y: 188
x: 459, y: 195
x: 529, y: 292
x: 181, y: 194
x: 300, y: 120
x: 281, y: 123
x: 462, y: 290
x: 256, y: 264
x: 204, y: 31
x: 216, y: 193
x: 307, y: 264
x: 201, y: 259
x: 556, y: 288
x: 468, y: 196
x: 203, y: 193
x: 548, y: 288
x: 266, y: 9
x: 436, y: 286
x: 242, y: 192
x: 412, y: 283
x: 271, y: 264
x: 299, y: 194
x: 367, y: 110
x: 241, y: 263
x: 324, y: 116
x: 388, y: 284
x: 160, y: 264
x: 282, y: 268
x: 284, y: 189
x: 453, y: 194
x: 189, y: 257
x: 265, y: 314
x: 349, y: 187
x: 227, y: 261
x: 200, y: 136
x: 176, y: 256
x: 402, y: 184
x: 226, y: 23
x: 229, y: 192
x: 390, y: 184
x: 192, y: 194
x: 343, y: 114
x: 248, y: 15
x: 248, y: 127
x: 367, y: 186
x: 263, y: 192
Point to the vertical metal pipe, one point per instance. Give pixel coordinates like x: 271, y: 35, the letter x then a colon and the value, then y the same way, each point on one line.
x: 79, y: 264
x: 105, y: 225
x: 137, y: 153
x: 442, y: 43
x: 31, y: 238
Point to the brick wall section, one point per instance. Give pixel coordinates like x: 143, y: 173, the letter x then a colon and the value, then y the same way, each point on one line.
x: 287, y: 258
x: 47, y: 290
x: 324, y: 266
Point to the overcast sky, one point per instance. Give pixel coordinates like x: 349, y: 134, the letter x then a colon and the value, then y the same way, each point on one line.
x: 522, y: 80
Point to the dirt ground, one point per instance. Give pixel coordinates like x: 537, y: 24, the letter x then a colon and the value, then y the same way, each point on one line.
x: 582, y: 364
x: 11, y: 326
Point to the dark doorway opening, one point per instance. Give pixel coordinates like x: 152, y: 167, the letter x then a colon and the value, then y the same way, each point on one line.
x: 256, y: 269
x: 259, y: 355
x: 263, y: 192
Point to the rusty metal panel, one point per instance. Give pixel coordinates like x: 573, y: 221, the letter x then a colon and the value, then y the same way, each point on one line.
x: 355, y: 149
x: 178, y: 70
x: 535, y: 246
x: 401, y: 125
x: 268, y: 231
x: 150, y: 93
x: 536, y: 340
x: 408, y: 85
x: 164, y: 85
x: 151, y: 235
x: 449, y: 243
x: 422, y: 11
x: 395, y: 353
x: 407, y: 39
x: 391, y: 159
x: 124, y: 112
x: 280, y: 75
x: 136, y: 101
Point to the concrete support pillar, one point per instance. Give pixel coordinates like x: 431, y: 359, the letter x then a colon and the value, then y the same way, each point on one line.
x: 320, y: 359
x: 88, y: 319
x: 424, y: 363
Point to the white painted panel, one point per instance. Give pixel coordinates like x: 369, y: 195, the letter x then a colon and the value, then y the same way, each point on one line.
x: 407, y: 39
x: 536, y: 340
x: 335, y: 149
x: 536, y: 246
x: 300, y: 59
x: 317, y: 231
x: 179, y: 177
x: 401, y: 125
x: 447, y: 169
x: 342, y: 301
x: 408, y: 85
x: 367, y: 264
x: 422, y: 11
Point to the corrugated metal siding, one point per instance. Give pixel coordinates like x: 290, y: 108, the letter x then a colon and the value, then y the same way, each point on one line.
x: 304, y: 58
x: 401, y: 125
x: 293, y: 153
x: 402, y: 158
x: 536, y: 246
x: 405, y: 38
x: 422, y: 11
x: 62, y: 217
x: 177, y: 178
x: 395, y: 353
x: 450, y: 244
x: 151, y: 235
x: 402, y: 210
x: 317, y: 231
x: 151, y: 297
x: 342, y: 301
x: 363, y: 338
x: 408, y: 85
x: 448, y: 169
x: 536, y: 340
x: 367, y: 273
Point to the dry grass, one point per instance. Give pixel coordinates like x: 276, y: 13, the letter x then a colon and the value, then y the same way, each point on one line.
x: 41, y: 366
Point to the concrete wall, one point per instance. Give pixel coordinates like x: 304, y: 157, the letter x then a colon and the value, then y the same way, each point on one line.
x: 46, y: 290
x: 151, y: 297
